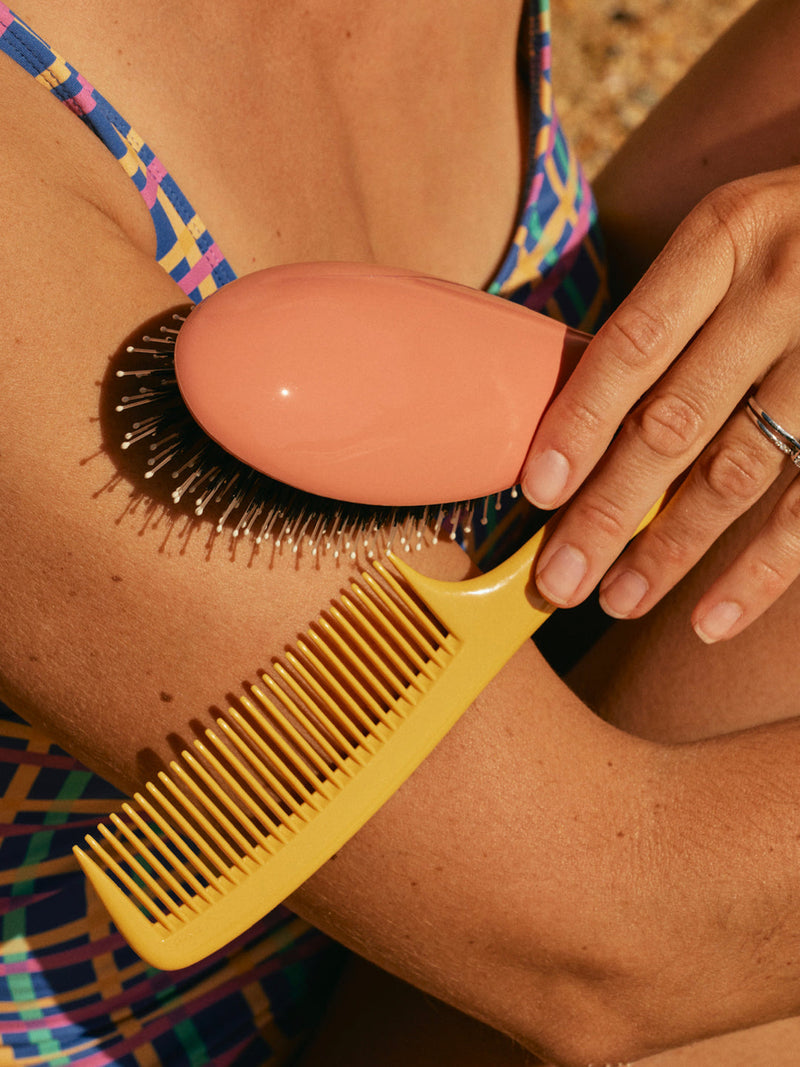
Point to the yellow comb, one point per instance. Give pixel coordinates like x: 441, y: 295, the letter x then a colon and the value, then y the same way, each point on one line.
x: 248, y: 813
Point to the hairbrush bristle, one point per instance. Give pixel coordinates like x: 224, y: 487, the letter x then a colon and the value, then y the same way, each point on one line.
x: 197, y: 472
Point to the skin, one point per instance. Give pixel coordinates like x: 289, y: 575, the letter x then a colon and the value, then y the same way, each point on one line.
x: 709, y: 322
x: 562, y: 877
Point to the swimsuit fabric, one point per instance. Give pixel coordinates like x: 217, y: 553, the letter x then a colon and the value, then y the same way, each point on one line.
x: 71, y: 991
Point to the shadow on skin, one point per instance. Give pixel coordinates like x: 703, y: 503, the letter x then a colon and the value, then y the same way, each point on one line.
x: 183, y: 485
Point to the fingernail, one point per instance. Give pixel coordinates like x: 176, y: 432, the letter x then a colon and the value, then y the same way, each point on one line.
x: 718, y: 622
x: 624, y: 594
x: 562, y: 575
x: 545, y: 478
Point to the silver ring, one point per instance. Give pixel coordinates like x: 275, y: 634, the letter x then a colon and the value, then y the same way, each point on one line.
x: 782, y: 439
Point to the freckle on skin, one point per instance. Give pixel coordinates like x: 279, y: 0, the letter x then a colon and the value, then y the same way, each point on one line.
x: 167, y: 698
x: 116, y: 578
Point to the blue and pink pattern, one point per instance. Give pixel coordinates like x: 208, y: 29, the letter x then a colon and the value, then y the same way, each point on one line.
x: 185, y: 248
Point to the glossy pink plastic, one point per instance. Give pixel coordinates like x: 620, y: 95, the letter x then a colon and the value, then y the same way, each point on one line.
x: 369, y: 384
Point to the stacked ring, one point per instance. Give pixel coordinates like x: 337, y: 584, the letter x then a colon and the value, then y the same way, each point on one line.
x: 782, y: 439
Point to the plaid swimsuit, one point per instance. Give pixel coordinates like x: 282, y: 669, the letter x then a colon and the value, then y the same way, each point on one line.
x: 71, y: 991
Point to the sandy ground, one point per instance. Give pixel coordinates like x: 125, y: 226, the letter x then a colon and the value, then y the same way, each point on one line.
x: 614, y: 59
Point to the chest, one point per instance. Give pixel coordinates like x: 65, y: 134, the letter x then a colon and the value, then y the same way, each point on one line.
x: 324, y: 130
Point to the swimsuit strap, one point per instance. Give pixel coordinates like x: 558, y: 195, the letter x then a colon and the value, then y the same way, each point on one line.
x: 184, y: 247
x: 556, y: 262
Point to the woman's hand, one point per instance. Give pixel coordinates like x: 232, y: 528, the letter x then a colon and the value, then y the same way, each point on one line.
x: 715, y: 320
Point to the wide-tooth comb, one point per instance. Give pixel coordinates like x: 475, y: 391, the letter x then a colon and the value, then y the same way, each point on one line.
x: 242, y: 819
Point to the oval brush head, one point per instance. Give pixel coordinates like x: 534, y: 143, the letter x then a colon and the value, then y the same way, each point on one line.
x: 336, y: 404
x: 369, y: 384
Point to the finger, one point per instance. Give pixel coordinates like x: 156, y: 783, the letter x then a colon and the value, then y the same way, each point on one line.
x: 632, y: 350
x: 729, y: 477
x: 757, y: 577
x: 656, y: 444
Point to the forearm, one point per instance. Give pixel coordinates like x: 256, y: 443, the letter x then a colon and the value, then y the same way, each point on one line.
x: 731, y: 846
x: 654, y: 908
x: 735, y: 113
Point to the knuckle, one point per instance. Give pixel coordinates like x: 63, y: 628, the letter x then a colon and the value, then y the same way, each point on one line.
x: 582, y: 416
x: 604, y: 516
x: 775, y: 561
x: 783, y: 264
x: 674, y: 551
x: 735, y: 473
x: 668, y: 425
x: 768, y: 576
x: 635, y: 333
x: 737, y: 208
x: 786, y: 519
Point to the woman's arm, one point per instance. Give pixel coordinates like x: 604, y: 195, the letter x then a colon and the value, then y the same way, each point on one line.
x: 543, y: 870
x: 734, y: 114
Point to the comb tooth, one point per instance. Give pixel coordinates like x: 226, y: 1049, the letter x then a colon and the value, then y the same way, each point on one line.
x: 230, y: 803
x: 130, y: 884
x: 281, y: 755
x: 243, y: 777
x: 208, y: 835
x: 296, y: 756
x: 393, y: 628
x: 294, y: 781
x: 341, y: 694
x: 206, y: 852
x: 286, y: 766
x: 167, y: 875
x: 321, y: 716
x: 320, y: 758
x: 273, y: 818
x: 423, y: 627
x: 295, y: 745
x: 328, y: 693
x: 141, y: 848
x: 195, y: 862
x: 363, y: 639
x: 216, y: 812
x: 143, y: 935
x: 388, y: 660
x: 345, y: 656
x: 422, y: 646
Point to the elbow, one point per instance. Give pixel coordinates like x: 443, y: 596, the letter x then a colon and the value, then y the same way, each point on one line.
x: 583, y: 1022
x: 601, y: 1004
x: 585, y: 1027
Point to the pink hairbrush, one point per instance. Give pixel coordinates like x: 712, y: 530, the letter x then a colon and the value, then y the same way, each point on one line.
x: 382, y: 389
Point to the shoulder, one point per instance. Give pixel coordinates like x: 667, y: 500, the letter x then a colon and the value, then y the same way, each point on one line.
x: 47, y: 154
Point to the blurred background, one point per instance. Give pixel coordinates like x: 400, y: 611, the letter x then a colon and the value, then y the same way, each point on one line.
x: 631, y: 52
